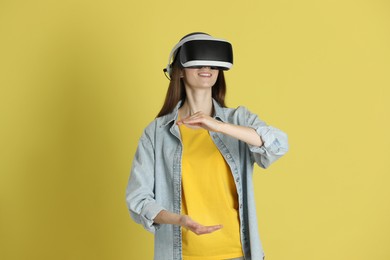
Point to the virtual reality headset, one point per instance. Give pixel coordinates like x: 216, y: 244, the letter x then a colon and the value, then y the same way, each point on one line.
x: 201, y: 50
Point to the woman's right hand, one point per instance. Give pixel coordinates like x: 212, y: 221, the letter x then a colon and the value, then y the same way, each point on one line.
x: 166, y: 217
x: 199, y: 229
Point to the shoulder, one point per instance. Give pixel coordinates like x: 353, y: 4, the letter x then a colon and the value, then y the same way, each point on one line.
x: 158, y: 126
x: 236, y: 115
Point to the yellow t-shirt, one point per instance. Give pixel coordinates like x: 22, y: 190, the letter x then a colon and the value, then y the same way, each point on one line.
x: 209, y: 197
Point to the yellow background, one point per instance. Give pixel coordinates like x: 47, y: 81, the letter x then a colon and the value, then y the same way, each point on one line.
x: 80, y: 80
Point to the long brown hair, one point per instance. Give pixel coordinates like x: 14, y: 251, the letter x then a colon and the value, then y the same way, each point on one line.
x: 176, y: 91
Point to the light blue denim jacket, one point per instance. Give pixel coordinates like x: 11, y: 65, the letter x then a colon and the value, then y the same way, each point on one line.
x: 155, y: 179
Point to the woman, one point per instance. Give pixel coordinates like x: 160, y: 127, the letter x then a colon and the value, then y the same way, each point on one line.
x: 191, y: 178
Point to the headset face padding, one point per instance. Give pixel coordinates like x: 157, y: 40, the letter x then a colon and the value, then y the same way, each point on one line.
x: 201, y: 50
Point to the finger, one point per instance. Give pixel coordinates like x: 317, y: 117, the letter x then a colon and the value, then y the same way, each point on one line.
x: 192, y: 122
x: 201, y: 230
x: 211, y: 229
x: 195, y: 116
x: 183, y: 120
x: 195, y: 119
x: 207, y: 230
x: 190, y: 119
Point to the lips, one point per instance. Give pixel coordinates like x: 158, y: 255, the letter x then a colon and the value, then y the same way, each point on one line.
x: 205, y: 74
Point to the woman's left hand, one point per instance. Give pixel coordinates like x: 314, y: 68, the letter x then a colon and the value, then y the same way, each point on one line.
x: 200, y: 119
x: 243, y: 133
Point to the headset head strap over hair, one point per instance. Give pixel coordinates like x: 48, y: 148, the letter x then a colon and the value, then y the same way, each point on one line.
x: 201, y: 50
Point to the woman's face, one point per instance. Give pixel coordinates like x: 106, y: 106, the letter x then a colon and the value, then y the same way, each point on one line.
x: 203, y: 77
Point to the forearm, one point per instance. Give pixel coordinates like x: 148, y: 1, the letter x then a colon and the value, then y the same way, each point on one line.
x: 243, y: 133
x: 166, y: 217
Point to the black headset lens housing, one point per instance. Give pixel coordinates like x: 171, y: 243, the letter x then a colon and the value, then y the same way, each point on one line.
x: 206, y: 53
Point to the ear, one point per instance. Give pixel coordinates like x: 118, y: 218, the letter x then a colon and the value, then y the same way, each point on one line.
x: 181, y: 73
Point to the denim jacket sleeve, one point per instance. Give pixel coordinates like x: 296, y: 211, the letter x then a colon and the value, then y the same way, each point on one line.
x: 275, y: 143
x: 140, y: 189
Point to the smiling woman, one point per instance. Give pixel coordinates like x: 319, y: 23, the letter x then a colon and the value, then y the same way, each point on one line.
x: 191, y: 179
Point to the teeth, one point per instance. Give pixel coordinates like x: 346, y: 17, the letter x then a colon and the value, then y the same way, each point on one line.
x: 205, y: 74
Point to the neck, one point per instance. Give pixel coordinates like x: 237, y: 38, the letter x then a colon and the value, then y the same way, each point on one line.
x: 197, y: 101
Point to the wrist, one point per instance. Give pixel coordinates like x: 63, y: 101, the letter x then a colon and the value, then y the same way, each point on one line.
x: 182, y: 220
x: 166, y: 217
x: 221, y: 127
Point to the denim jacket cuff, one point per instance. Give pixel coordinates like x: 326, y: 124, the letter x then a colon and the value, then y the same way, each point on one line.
x: 266, y: 136
x: 150, y: 211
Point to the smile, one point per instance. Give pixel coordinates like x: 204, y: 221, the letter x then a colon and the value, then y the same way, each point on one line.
x: 204, y: 74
